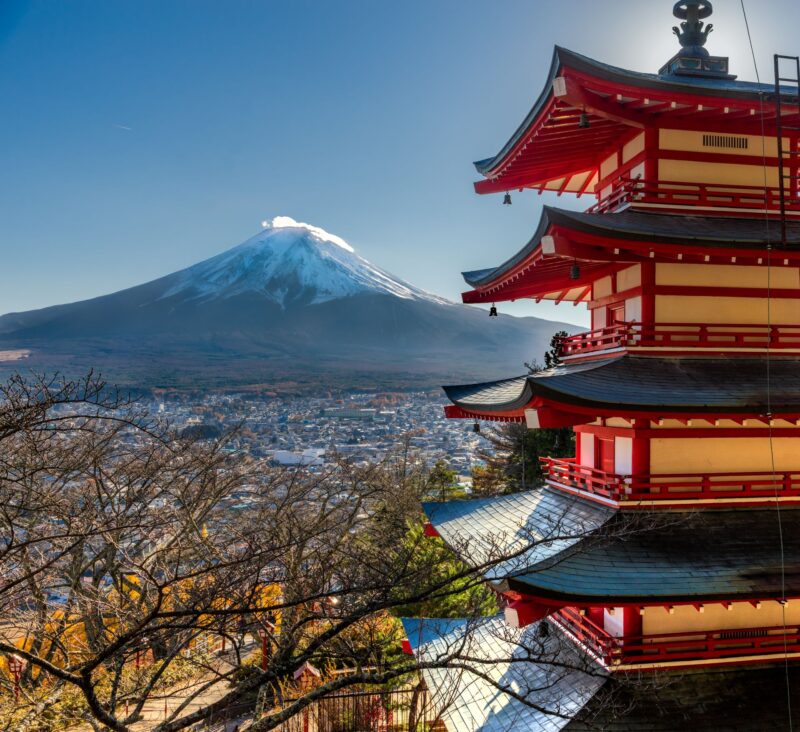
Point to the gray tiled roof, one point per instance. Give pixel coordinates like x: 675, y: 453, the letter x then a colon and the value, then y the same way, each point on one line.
x: 551, y: 544
x: 637, y: 383
x: 524, y: 528
x: 537, y: 669
x: 722, y: 699
x: 676, y: 556
x: 492, y: 396
x: 664, y: 228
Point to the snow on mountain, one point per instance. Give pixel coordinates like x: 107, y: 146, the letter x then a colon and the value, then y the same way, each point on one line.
x: 290, y: 263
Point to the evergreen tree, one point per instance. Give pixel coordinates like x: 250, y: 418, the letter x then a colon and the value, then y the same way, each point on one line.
x: 513, y: 451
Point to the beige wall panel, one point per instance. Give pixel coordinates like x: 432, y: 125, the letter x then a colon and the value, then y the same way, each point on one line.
x: 715, y: 617
x: 602, y: 288
x: 723, y: 455
x: 726, y: 275
x: 609, y: 165
x: 722, y: 310
x: 687, y: 171
x: 633, y: 148
x: 693, y: 142
x: 629, y: 278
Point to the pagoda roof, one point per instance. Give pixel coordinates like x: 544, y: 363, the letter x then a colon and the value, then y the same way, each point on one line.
x: 545, y: 694
x: 550, y: 146
x: 683, y: 556
x: 641, y: 385
x: 602, y: 240
x: 525, y: 527
x: 719, y: 699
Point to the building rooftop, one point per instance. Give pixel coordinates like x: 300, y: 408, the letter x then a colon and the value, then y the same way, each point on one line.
x: 744, y: 699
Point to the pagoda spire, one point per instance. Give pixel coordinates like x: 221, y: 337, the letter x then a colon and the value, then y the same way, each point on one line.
x: 692, y: 34
x: 694, y: 59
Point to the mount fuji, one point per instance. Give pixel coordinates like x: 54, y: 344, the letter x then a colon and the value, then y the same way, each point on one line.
x: 293, y: 304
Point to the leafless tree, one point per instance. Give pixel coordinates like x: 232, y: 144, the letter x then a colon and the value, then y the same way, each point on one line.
x: 130, y: 557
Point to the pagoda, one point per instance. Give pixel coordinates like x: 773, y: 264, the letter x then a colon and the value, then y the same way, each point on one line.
x: 668, y: 548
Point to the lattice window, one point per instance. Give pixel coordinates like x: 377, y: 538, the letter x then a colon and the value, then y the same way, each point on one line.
x: 727, y: 142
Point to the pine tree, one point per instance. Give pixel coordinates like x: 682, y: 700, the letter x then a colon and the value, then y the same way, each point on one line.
x: 513, y: 451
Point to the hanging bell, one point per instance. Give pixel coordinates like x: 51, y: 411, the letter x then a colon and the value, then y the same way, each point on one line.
x: 507, y: 199
x: 575, y: 272
x: 493, y: 312
x: 476, y: 428
x: 583, y: 122
x: 543, y: 630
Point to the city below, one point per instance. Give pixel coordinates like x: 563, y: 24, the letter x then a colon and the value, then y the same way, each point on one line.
x: 362, y: 427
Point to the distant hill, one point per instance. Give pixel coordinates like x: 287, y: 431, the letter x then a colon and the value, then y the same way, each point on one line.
x: 292, y: 305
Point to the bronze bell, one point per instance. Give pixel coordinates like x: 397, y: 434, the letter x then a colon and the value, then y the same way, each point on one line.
x: 507, y: 199
x: 584, y: 122
x: 476, y: 428
x: 575, y: 272
x: 493, y: 312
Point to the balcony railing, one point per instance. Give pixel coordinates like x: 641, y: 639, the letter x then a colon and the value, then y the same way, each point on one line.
x: 673, y: 487
x: 669, y: 194
x: 677, y: 647
x: 682, y: 335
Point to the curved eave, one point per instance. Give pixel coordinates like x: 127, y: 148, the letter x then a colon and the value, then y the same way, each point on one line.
x: 687, y: 557
x: 506, y: 534
x: 595, y: 92
x: 642, y: 386
x: 535, y: 272
x: 505, y: 396
x: 603, y: 242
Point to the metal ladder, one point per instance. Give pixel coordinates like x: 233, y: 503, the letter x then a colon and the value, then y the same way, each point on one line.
x: 788, y: 104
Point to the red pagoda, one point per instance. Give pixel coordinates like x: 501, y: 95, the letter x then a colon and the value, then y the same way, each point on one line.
x: 668, y: 548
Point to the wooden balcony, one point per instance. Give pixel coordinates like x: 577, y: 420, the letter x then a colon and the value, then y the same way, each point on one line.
x: 734, y: 338
x: 674, y: 195
x: 674, y: 488
x: 666, y: 649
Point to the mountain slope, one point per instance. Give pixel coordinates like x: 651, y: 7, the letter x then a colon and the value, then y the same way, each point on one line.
x: 292, y: 300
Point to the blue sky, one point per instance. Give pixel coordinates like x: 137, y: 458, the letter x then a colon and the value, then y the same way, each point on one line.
x: 141, y: 136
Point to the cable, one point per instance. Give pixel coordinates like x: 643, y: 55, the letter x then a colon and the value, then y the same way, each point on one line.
x: 769, y: 371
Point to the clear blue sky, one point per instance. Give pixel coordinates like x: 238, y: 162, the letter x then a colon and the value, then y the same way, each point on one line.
x: 140, y: 136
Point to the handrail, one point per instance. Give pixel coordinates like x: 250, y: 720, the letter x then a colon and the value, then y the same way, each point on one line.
x: 634, y: 191
x: 673, y: 486
x: 680, y: 646
x: 681, y: 335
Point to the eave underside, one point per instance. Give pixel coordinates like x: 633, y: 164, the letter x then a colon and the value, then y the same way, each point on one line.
x: 550, y: 149
x: 604, y: 243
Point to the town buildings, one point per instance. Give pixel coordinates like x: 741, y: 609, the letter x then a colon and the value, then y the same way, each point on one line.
x: 660, y: 564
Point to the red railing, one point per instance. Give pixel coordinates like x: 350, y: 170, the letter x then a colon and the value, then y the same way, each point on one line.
x: 672, y: 487
x: 681, y: 335
x: 630, y: 192
x: 683, y: 646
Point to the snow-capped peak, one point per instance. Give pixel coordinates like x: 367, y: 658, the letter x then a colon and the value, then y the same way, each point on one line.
x: 287, y: 222
x: 290, y: 263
